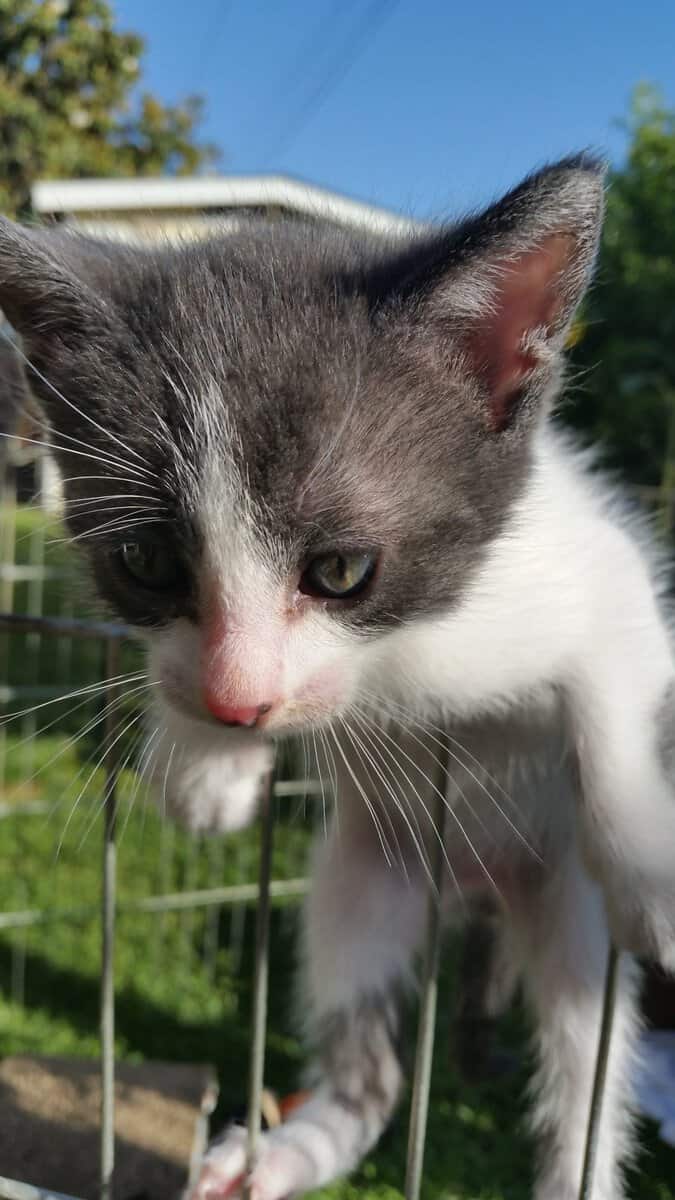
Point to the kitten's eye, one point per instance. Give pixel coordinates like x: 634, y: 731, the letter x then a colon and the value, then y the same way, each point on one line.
x: 151, y: 564
x: 338, y: 576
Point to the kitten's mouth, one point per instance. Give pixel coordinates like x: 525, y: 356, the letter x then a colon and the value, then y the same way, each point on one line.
x: 241, y: 716
x: 320, y: 700
x: 286, y: 718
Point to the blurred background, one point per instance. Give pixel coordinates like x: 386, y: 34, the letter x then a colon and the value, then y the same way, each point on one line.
x: 159, y: 118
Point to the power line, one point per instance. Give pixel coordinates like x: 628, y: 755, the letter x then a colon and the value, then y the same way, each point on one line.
x: 374, y: 18
x: 210, y: 38
x: 312, y: 47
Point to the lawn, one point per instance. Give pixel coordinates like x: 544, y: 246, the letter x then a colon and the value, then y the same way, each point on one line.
x: 183, y: 985
x: 184, y: 979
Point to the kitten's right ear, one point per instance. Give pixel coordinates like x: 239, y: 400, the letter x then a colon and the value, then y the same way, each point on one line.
x: 40, y: 295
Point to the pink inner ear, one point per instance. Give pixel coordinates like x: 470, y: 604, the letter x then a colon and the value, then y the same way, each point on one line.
x: 526, y: 308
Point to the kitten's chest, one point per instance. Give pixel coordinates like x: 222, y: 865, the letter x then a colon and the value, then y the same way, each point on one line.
x: 500, y: 790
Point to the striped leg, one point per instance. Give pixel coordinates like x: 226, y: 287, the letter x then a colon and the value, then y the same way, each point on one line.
x: 364, y: 921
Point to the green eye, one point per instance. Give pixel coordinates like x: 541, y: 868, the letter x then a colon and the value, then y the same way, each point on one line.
x: 151, y: 564
x: 338, y: 576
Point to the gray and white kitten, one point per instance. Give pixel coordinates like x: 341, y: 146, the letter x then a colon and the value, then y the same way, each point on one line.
x: 319, y: 474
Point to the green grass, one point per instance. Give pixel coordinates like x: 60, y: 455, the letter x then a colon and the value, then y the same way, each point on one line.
x: 184, y: 980
x: 174, y: 1001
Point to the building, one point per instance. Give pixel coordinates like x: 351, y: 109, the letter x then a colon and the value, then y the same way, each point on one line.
x: 193, y: 207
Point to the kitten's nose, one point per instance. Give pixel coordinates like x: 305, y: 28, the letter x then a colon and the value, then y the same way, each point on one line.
x: 232, y: 714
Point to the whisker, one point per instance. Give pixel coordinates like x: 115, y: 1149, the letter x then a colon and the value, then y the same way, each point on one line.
x: 364, y: 761
x: 320, y: 774
x: 108, y: 709
x: 416, y: 793
x: 429, y: 728
x: 166, y: 778
x: 87, y: 781
x: 479, y: 782
x: 114, y: 704
x: 108, y: 527
x: 97, y: 457
x: 101, y: 428
x: 362, y: 752
x: 14, y: 746
x: 148, y: 751
x: 56, y: 442
x: 128, y: 509
x: 333, y: 774
x: 90, y: 688
x: 110, y: 784
x: 376, y: 823
x: 448, y: 807
x: 104, y: 498
x: 383, y: 766
x: 130, y: 479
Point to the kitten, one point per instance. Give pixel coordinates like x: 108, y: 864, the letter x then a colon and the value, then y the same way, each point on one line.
x: 320, y: 476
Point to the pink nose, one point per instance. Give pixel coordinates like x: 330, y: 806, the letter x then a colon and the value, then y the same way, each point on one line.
x: 232, y: 714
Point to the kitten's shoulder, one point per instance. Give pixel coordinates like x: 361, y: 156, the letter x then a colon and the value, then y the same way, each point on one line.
x: 574, y: 491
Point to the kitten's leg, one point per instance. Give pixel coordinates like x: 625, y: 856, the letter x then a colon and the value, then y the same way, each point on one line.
x: 561, y: 934
x: 364, y: 920
x: 623, y: 709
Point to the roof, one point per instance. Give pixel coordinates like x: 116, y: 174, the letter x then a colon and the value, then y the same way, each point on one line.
x: 203, y: 193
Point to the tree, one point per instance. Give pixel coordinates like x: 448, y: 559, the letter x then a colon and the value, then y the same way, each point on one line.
x: 68, y: 102
x: 623, y: 379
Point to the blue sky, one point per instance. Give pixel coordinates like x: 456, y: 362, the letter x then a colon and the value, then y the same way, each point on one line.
x: 424, y: 106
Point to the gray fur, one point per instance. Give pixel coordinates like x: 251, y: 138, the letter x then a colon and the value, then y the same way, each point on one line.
x: 329, y: 371
x: 357, y: 1050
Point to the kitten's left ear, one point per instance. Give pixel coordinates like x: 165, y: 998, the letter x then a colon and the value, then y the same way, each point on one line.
x: 500, y: 290
x: 41, y: 293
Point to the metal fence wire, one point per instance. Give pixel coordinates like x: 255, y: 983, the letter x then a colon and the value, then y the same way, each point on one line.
x: 36, y: 579
x: 111, y: 636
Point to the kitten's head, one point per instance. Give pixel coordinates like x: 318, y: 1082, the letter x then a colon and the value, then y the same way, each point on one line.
x: 280, y: 445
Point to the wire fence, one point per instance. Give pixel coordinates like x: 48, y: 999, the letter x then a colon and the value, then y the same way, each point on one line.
x: 15, y: 1190
x: 46, y: 646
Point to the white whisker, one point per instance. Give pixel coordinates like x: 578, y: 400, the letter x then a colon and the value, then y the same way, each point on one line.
x: 95, y: 457
x: 90, y: 688
x: 109, y: 528
x: 417, y: 795
x: 362, y: 752
x: 101, y: 428
x: 166, y: 777
x: 393, y: 785
x: 376, y: 823
x: 87, y: 781
x: 441, y: 796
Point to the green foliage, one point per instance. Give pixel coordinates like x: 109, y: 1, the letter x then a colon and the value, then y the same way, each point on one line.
x: 68, y: 107
x: 623, y: 378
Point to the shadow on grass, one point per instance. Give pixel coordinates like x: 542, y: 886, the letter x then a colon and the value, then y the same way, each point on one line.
x: 477, y: 1145
x: 151, y: 1030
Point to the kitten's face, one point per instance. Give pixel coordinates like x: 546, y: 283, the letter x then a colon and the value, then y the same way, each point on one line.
x: 302, y: 481
x: 299, y: 442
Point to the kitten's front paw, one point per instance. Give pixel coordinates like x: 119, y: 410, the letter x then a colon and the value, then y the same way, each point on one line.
x: 641, y: 915
x: 222, y: 1173
x: 280, y: 1170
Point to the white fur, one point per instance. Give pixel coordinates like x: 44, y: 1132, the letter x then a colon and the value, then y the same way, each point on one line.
x: 555, y: 665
